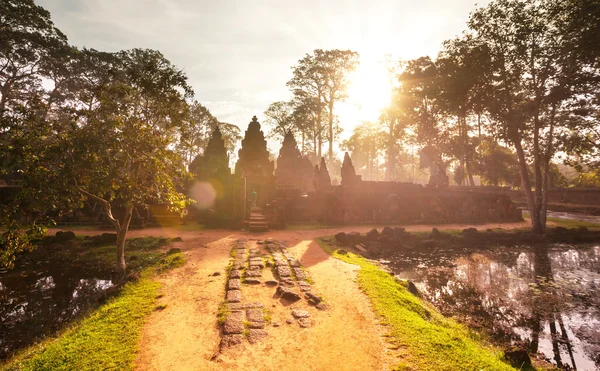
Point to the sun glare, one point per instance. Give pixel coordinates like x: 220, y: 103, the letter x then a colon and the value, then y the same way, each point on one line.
x: 369, y: 92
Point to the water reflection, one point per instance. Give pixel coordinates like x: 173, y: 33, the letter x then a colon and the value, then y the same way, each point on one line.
x: 544, y: 297
x: 35, y: 304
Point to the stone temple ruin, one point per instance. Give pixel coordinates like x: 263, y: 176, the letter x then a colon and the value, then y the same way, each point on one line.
x: 295, y: 191
x: 298, y: 191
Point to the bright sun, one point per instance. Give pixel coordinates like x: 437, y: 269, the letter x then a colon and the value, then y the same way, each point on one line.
x: 369, y: 91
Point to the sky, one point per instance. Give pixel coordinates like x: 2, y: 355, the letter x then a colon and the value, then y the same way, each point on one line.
x: 238, y: 54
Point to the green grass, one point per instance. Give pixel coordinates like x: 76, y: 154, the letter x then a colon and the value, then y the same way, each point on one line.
x: 107, y: 338
x: 426, y: 339
x: 224, y: 311
x: 139, y: 253
x: 574, y: 223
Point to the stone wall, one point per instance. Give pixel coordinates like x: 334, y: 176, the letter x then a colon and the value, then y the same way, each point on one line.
x: 391, y: 202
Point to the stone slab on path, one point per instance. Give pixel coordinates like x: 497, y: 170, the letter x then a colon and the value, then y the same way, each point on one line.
x: 300, y: 274
x: 287, y: 294
x: 284, y: 271
x: 255, y: 335
x: 253, y: 273
x: 231, y: 340
x: 304, y: 322
x: 234, y: 296
x: 304, y: 286
x: 294, y: 262
x: 235, y: 274
x: 252, y: 281
x: 255, y: 315
x: 234, y: 284
x: 299, y: 313
x: 259, y: 263
x: 234, y: 324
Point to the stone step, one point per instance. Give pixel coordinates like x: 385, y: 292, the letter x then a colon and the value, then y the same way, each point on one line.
x: 258, y: 224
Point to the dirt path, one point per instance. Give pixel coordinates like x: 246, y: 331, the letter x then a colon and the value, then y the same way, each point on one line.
x: 185, y: 335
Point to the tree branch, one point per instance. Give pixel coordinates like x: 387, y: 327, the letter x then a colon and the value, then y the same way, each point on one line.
x: 112, y: 219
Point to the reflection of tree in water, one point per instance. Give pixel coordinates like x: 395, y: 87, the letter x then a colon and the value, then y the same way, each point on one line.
x: 527, y: 290
x: 545, y: 307
x: 36, y: 306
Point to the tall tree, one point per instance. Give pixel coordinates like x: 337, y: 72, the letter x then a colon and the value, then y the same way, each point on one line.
x: 367, y: 147
x: 323, y: 76
x: 121, y: 155
x: 279, y: 118
x: 462, y: 70
x: 532, y: 83
x: 197, y: 128
x: 307, y: 117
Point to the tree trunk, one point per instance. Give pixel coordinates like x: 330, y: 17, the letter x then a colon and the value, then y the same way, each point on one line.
x: 545, y: 183
x: 121, y: 236
x: 316, y: 158
x: 331, y: 131
x: 470, y: 173
x: 388, y: 165
x: 526, y: 186
x: 461, y: 133
x: 320, y: 154
x: 537, y: 164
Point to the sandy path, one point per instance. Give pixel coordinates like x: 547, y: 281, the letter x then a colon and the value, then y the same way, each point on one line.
x: 185, y: 335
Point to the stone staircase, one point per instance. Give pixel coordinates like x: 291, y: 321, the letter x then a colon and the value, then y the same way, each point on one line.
x: 258, y: 221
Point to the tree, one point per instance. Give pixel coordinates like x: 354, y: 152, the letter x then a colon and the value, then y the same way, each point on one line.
x: 323, y: 76
x: 196, y: 129
x: 496, y: 165
x: 307, y: 116
x: 113, y: 143
x: 462, y: 70
x: 279, y: 118
x: 534, y: 79
x: 120, y: 154
x: 32, y: 51
x: 366, y: 145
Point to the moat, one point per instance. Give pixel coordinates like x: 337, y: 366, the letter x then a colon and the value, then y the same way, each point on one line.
x: 545, y: 298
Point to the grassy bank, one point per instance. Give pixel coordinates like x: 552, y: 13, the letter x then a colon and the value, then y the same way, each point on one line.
x: 426, y: 339
x: 575, y: 224
x: 106, y: 338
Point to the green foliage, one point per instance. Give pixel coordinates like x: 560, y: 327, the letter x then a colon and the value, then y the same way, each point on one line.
x: 366, y: 146
x: 223, y: 312
x: 497, y: 165
x: 196, y: 129
x: 431, y: 341
x: 15, y: 239
x: 105, y: 131
x: 319, y: 81
x: 279, y: 117
x: 107, y: 339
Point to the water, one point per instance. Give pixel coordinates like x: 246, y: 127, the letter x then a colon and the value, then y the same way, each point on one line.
x: 574, y: 216
x: 546, y: 298
x: 36, y: 303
